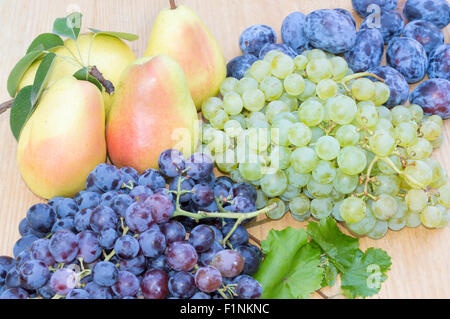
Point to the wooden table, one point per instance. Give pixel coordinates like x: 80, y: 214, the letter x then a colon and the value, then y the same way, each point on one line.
x: 420, y: 257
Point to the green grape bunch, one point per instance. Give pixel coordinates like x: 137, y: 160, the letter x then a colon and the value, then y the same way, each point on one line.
x: 315, y: 138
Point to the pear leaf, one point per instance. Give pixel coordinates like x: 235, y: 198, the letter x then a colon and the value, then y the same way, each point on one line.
x: 69, y: 26
x: 119, y: 35
x: 41, y: 78
x: 19, y: 70
x: 83, y: 75
x: 45, y: 41
x: 20, y: 110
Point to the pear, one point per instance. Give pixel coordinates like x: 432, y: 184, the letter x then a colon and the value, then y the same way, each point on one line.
x: 64, y: 139
x: 152, y: 111
x: 109, y: 54
x: 179, y: 33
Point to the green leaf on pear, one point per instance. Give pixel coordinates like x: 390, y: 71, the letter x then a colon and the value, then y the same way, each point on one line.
x: 20, y: 110
x: 69, y: 26
x: 41, y: 78
x: 19, y: 70
x: 119, y: 35
x: 45, y: 41
x: 84, y: 75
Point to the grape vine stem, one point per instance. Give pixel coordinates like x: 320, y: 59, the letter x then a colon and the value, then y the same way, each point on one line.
x: 408, y: 177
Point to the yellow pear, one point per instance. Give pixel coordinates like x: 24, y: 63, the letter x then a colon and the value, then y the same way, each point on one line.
x: 64, y: 139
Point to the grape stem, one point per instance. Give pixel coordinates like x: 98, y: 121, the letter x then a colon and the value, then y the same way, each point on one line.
x: 388, y: 161
x: 360, y: 75
x: 369, y: 179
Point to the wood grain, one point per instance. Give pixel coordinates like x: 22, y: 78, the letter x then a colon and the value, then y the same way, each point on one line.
x: 421, y: 257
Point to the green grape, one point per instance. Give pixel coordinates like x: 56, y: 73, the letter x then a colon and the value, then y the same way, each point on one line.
x: 318, y: 190
x: 290, y: 100
x: 245, y: 84
x: 281, y: 66
x: 228, y: 85
x: 304, y: 160
x: 336, y: 195
x: 402, y: 208
x: 290, y: 192
x: 341, y: 109
x: 431, y: 217
x: 437, y: 119
x: 444, y: 195
x: 280, y: 157
x: 420, y: 172
x: 311, y: 112
x: 326, y: 88
x: 255, y: 116
x: 445, y: 216
x: 207, y: 133
x: 233, y: 128
x: 335, y: 212
x: 271, y: 87
x: 367, y: 114
x: 353, y: 210
x: 430, y: 130
x: 236, y: 176
x: 296, y: 179
x: 382, y: 143
x: 275, y: 184
x: 294, y: 84
x: 252, y: 169
x: 386, y: 184
x: 345, y: 183
x: 271, y: 55
x: 437, y: 142
x: 319, y: 69
x: 285, y: 116
x: 254, y: 99
x: 363, y: 89
x: 386, y: 169
x: 299, y: 135
x: 279, y: 132
x: 384, y: 207
x: 259, y: 124
x: 219, y: 142
x: 416, y: 200
x: 406, y: 134
x: 232, y: 103
x: 274, y: 108
x: 241, y: 119
x: 316, y: 133
x: 300, y: 62
x: 219, y: 119
x: 380, y: 229
x: 299, y: 205
x: 340, y: 67
x: 324, y: 172
x: 261, y: 199
x: 416, y: 112
x: 385, y: 125
x: 316, y: 54
x: 211, y: 106
x: 396, y: 224
x: 384, y: 112
x: 400, y: 114
x: 321, y: 207
x: 278, y: 212
x: 258, y: 139
x: 420, y: 150
x: 309, y: 91
x: 439, y: 174
x: 412, y: 219
x: 365, y: 226
x: 347, y: 135
x: 382, y: 93
x: 226, y: 161
x: 327, y: 148
x: 260, y: 70
x: 352, y: 160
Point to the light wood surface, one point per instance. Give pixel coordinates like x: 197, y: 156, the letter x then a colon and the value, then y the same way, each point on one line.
x: 420, y: 257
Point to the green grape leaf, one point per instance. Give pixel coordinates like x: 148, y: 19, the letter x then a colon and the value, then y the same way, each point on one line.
x: 69, y: 26
x: 338, y: 247
x: 291, y: 267
x: 45, y: 41
x: 20, y: 110
x: 366, y: 273
x: 41, y: 78
x: 119, y: 35
x: 330, y: 272
x: 83, y: 75
x: 19, y: 70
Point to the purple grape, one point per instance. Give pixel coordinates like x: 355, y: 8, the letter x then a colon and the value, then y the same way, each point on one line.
x: 440, y: 63
x: 361, y: 6
x: 239, y: 236
x: 105, y: 177
x: 292, y: 31
x: 39, y: 250
x: 229, y: 262
x: 102, y: 218
x: 107, y: 238
x: 138, y: 217
x: 201, y: 238
x: 107, y: 198
x: 255, y: 37
x: 6, y: 264
x: 126, y: 247
x: 41, y: 217
x: 65, y: 223
x: 330, y: 30
x: 105, y: 273
x: 135, y: 265
x: 426, y: 33
x: 200, y: 295
x: 208, y: 279
x: 391, y: 25
x: 237, y: 67
x: 87, y: 200
x: 155, y: 284
x: 63, y: 281
x: 243, y: 204
x: 435, y: 11
x: 14, y: 293
x: 126, y: 285
x: 199, y: 166
x: 54, y: 201
x: 46, y: 291
x: 244, y: 190
x: 171, y: 163
x: 161, y: 207
x: 121, y: 203
x: 66, y: 207
x: 12, y: 279
x: 222, y: 186
x: 182, y: 285
x: 433, y: 96
x: 252, y: 259
x: 186, y: 185
x: 173, y: 231
x: 78, y: 294
x: 203, y: 195
x: 398, y: 86
x: 129, y: 175
x: 89, y: 246
x: 284, y: 48
x: 24, y: 229
x: 248, y: 287
x: 82, y: 219
x: 23, y: 244
x: 181, y: 256
x: 140, y: 193
x: 64, y: 246
x: 152, y: 179
x: 367, y: 51
x: 158, y: 263
x: 22, y: 257
x: 33, y: 274
x: 98, y: 292
x: 152, y: 242
x: 206, y: 257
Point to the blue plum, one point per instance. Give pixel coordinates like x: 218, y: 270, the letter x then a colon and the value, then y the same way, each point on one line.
x: 277, y: 46
x: 255, y: 37
x: 391, y: 25
x: 440, y: 63
x: 396, y: 82
x: 367, y: 51
x: 433, y: 96
x: 347, y: 14
x: 361, y: 6
x: 292, y: 31
x: 237, y: 66
x: 426, y: 33
x: 435, y: 11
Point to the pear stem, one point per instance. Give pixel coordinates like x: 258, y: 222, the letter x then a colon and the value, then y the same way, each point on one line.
x: 6, y: 105
x: 173, y: 5
x: 109, y: 87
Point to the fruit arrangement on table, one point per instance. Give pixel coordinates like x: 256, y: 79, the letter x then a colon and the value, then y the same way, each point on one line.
x: 312, y: 127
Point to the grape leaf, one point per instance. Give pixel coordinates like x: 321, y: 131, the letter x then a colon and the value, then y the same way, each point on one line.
x: 339, y: 247
x: 330, y: 272
x: 366, y: 273
x: 69, y: 26
x: 20, y: 110
x: 83, y: 75
x: 19, y: 70
x: 45, y: 41
x: 120, y: 35
x: 41, y: 78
